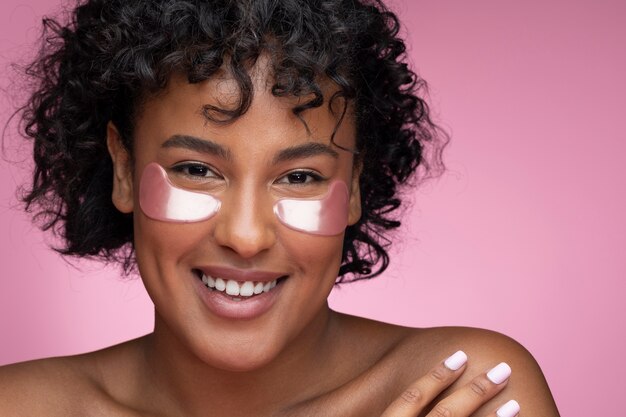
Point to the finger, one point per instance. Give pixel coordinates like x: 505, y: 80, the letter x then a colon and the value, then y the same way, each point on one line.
x: 510, y: 409
x: 422, y: 392
x: 467, y: 399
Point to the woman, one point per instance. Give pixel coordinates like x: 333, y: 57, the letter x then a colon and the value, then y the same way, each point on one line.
x: 244, y: 157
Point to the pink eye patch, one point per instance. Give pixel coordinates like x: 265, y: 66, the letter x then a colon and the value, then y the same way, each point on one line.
x: 161, y: 200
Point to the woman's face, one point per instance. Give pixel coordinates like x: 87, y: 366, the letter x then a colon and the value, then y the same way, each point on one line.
x: 265, y: 155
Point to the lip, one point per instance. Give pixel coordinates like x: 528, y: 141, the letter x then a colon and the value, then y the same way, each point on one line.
x: 240, y: 274
x: 225, y: 307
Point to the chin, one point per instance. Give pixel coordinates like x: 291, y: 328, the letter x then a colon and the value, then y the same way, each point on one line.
x: 239, y: 358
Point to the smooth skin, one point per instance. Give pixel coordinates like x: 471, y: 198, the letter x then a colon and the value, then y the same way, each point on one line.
x: 298, y: 359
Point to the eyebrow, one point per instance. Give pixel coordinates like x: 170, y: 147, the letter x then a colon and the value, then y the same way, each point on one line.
x: 196, y: 144
x: 306, y: 150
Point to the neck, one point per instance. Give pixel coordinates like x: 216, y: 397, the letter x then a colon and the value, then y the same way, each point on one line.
x: 191, y: 386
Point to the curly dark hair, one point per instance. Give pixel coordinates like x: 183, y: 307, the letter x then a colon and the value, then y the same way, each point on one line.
x: 114, y: 54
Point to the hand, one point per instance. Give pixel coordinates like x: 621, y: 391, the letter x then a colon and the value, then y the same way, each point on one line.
x: 462, y: 402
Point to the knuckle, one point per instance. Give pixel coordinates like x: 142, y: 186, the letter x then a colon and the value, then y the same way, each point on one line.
x: 439, y: 375
x: 442, y: 411
x: 478, y: 387
x: 412, y: 396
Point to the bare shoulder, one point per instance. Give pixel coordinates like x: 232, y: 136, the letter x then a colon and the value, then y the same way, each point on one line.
x: 41, y: 387
x: 64, y: 386
x: 486, y: 349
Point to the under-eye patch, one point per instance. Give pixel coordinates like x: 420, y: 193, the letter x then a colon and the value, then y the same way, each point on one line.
x: 161, y: 200
x: 327, y: 216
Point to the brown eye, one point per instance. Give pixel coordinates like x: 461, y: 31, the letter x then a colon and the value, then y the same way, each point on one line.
x: 195, y: 170
x: 301, y: 177
x: 297, y: 177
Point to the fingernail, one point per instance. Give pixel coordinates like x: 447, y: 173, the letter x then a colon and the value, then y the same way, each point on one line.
x: 455, y: 361
x: 510, y: 409
x: 500, y: 373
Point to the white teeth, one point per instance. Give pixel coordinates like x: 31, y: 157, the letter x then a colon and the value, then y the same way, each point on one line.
x: 208, y: 280
x: 247, y: 289
x: 232, y: 287
x: 269, y: 285
x: 236, y: 289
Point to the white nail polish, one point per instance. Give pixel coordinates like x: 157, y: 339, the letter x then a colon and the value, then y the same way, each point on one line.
x: 510, y: 409
x: 455, y: 361
x: 500, y: 373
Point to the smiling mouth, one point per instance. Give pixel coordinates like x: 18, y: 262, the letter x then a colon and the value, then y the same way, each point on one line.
x: 237, y: 290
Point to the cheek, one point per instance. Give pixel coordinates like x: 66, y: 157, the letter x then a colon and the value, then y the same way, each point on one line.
x: 160, y: 247
x: 317, y: 260
x: 317, y: 257
x: 168, y: 240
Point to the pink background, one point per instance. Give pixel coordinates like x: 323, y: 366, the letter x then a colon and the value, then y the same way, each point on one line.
x: 525, y: 234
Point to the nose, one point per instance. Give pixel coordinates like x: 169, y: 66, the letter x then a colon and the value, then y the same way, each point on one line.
x: 245, y: 223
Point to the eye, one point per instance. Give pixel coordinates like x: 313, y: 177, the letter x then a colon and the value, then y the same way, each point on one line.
x: 195, y: 170
x: 300, y: 177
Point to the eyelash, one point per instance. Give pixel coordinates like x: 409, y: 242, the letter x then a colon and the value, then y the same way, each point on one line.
x: 316, y: 178
x: 184, y: 169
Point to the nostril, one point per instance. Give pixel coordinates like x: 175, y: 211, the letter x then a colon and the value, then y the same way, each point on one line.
x: 246, y: 235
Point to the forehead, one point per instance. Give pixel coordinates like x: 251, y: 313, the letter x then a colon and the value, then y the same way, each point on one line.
x: 180, y: 108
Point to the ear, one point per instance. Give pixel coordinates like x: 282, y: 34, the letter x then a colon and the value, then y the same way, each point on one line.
x: 354, y: 213
x: 122, y: 194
